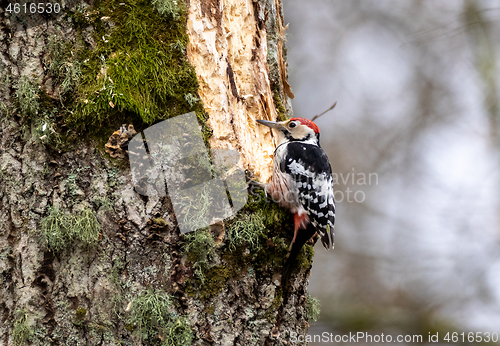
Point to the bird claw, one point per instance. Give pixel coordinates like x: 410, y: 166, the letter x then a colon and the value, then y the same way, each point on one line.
x: 251, y: 182
x: 257, y: 184
x: 313, y: 239
x: 249, y: 175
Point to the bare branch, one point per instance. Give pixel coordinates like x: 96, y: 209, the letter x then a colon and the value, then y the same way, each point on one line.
x: 329, y: 109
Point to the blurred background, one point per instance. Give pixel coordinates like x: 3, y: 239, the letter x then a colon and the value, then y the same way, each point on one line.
x: 414, y: 142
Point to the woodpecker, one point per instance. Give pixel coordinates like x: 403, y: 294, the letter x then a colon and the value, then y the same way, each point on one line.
x: 302, y: 182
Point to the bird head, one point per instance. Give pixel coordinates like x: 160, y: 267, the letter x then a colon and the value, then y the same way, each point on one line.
x: 295, y: 129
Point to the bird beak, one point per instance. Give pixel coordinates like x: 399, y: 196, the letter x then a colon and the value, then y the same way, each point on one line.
x: 271, y: 124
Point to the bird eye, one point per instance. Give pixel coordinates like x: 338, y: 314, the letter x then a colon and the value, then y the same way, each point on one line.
x: 292, y: 125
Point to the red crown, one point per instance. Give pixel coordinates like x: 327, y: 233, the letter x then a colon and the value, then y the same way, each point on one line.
x: 308, y: 123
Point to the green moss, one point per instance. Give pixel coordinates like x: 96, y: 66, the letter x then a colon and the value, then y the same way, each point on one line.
x: 153, y: 317
x: 60, y: 230
x: 312, y: 308
x: 79, y: 318
x: 215, y: 279
x: 81, y: 312
x: 282, y: 115
x: 274, y: 216
x: 130, y: 68
x: 273, y: 257
x: 211, y: 278
x: 160, y: 222
x: 22, y: 332
x: 137, y: 65
x: 305, y: 257
x: 56, y: 54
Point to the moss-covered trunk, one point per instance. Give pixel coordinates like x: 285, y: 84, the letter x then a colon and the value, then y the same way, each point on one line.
x: 84, y: 258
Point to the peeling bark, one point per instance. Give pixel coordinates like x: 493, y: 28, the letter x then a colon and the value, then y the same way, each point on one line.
x: 229, y: 49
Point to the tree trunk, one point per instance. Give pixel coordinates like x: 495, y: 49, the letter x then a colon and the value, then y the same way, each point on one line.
x: 84, y: 257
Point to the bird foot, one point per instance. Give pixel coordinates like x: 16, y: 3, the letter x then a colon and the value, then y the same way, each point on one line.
x: 249, y: 175
x: 253, y: 184
x: 313, y: 239
x: 256, y: 184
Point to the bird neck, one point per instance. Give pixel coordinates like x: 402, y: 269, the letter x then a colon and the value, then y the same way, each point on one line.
x: 310, y: 139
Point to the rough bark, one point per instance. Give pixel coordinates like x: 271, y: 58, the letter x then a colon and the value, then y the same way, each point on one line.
x: 140, y: 281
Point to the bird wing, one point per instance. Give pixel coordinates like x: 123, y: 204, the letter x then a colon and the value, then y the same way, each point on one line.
x: 310, y: 168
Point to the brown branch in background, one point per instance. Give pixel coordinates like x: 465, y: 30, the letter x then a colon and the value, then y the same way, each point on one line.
x: 329, y: 109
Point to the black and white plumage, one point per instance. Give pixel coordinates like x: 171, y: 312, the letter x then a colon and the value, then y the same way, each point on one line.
x: 302, y: 182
